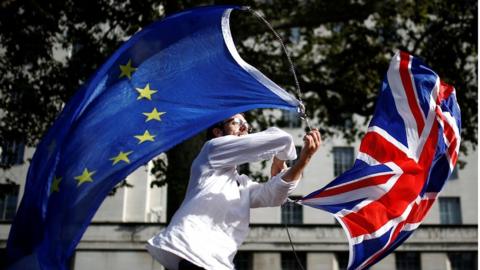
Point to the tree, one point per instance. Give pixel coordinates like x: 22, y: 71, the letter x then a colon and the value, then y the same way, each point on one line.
x: 341, y: 50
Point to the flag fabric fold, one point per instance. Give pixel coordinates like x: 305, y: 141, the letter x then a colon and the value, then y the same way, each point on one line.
x: 165, y: 84
x: 404, y: 160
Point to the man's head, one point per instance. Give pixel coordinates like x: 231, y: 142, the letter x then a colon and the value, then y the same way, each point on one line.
x: 234, y: 125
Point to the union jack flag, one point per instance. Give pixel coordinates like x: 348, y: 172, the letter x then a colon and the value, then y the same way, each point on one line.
x: 404, y: 160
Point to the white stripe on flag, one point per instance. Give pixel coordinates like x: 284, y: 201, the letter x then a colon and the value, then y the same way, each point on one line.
x: 402, y: 105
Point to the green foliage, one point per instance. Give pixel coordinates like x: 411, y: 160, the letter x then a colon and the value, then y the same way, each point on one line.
x: 341, y: 51
x: 35, y: 80
x: 159, y: 171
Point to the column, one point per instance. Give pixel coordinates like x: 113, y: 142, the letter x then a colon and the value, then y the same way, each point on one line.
x: 317, y: 260
x: 434, y: 261
x: 266, y: 261
x: 387, y: 263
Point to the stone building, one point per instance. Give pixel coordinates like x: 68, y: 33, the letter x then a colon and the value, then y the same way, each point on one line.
x: 115, y: 240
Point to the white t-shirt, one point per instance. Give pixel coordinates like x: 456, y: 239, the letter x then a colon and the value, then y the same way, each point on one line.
x: 213, y: 220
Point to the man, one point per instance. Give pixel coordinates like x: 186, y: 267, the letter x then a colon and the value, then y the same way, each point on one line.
x: 213, y: 220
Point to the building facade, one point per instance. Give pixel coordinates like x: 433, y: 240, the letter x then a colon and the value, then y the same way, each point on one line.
x: 447, y: 240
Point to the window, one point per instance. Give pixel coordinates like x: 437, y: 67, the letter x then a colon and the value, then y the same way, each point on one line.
x: 342, y: 260
x: 289, y: 262
x: 292, y: 213
x: 342, y: 159
x: 8, y: 201
x: 407, y: 261
x: 12, y: 153
x: 462, y: 260
x: 450, y: 211
x: 243, y: 260
x: 290, y: 119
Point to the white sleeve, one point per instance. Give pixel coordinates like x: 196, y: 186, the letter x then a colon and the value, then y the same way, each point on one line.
x: 272, y: 193
x: 234, y: 150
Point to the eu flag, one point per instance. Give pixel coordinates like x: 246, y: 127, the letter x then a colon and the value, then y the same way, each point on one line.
x: 168, y: 82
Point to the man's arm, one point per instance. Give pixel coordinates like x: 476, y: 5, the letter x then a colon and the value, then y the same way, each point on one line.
x: 275, y: 191
x: 312, y: 142
x: 233, y: 150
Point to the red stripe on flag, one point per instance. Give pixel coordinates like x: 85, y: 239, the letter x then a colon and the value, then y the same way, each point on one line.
x: 372, y: 181
x: 395, y: 233
x: 392, y: 205
x: 447, y: 129
x: 376, y: 214
x: 449, y: 135
x: 411, y: 97
x: 416, y: 215
x: 381, y: 149
x: 453, y: 155
x: 419, y: 211
x: 429, y: 149
x: 445, y: 91
x: 452, y: 140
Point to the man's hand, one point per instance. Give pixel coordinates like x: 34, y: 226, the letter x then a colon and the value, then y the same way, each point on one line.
x: 278, y: 165
x: 311, y: 143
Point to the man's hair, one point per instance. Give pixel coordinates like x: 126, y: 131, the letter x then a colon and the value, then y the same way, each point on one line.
x: 219, y: 125
x: 210, y: 134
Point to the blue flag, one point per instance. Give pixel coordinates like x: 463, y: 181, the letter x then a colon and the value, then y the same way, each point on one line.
x: 168, y: 82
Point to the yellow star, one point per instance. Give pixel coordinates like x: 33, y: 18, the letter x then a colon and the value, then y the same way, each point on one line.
x: 146, y: 92
x: 85, y: 177
x: 126, y: 70
x: 121, y: 157
x: 145, y: 137
x: 154, y: 115
x: 55, y: 187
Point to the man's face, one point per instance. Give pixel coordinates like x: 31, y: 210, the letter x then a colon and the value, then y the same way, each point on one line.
x: 235, y: 125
